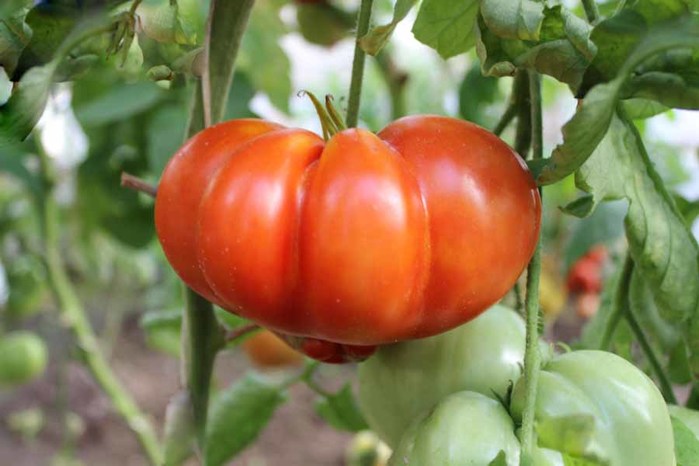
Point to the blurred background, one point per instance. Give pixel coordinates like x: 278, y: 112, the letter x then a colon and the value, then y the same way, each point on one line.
x: 132, y: 117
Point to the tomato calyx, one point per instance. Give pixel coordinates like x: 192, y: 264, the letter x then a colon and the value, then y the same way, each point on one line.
x: 331, y: 121
x: 327, y: 351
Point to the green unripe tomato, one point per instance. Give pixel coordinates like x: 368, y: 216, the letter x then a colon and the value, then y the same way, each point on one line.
x: 23, y: 357
x: 26, y: 283
x: 632, y: 424
x: 403, y: 380
x: 464, y: 429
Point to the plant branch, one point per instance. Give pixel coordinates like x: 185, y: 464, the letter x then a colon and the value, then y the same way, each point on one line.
x: 363, y: 19
x: 135, y: 183
x: 523, y: 135
x: 591, y: 10
x: 74, y: 316
x: 620, y: 294
x: 663, y: 381
x: 506, y: 118
x: 532, y: 356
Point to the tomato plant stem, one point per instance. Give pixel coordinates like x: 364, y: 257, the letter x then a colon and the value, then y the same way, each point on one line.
x: 532, y: 356
x: 523, y: 135
x: 622, y: 290
x: 661, y: 377
x: 355, y: 91
x: 591, y: 10
x: 73, y: 315
x: 130, y: 181
x: 506, y: 118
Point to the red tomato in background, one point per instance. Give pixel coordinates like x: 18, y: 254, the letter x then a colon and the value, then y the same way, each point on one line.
x: 585, y: 276
x: 361, y: 240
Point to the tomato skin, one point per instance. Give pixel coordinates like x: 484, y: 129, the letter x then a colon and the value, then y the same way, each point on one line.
x: 363, y: 240
x: 328, y: 351
x: 466, y: 428
x: 182, y: 186
x: 631, y: 418
x: 406, y: 379
x: 267, y: 350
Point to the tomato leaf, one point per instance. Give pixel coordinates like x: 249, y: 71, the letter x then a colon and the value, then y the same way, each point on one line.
x: 448, y: 27
x: 22, y: 111
x: 273, y: 74
x: 639, y: 108
x: 163, y: 21
x: 238, y: 416
x: 340, y: 410
x: 585, y: 130
x: 121, y: 102
x: 686, y: 443
x: 527, y: 34
x: 377, y: 37
x: 165, y: 129
x: 178, y: 442
x: 14, y: 36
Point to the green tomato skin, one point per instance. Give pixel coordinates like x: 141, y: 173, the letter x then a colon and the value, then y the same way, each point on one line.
x: 464, y: 429
x: 23, y: 357
x: 403, y: 380
x: 632, y: 424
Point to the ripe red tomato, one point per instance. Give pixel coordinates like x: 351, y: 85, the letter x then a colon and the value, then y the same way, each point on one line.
x: 363, y: 239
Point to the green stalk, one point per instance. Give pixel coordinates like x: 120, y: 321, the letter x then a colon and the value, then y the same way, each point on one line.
x: 523, y: 135
x: 591, y: 10
x: 532, y: 356
x: 663, y: 381
x: 355, y: 92
x: 74, y: 317
x: 620, y: 294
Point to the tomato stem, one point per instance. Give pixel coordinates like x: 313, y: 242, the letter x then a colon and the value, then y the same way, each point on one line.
x: 532, y: 356
x: 523, y: 135
x: 363, y: 19
x: 73, y: 315
x: 591, y: 10
x: 135, y: 183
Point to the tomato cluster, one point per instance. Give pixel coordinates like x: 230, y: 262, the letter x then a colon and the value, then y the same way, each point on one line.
x: 457, y: 398
x: 360, y: 240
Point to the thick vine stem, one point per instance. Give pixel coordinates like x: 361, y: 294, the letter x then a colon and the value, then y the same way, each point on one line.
x: 363, y: 19
x: 532, y: 356
x: 74, y: 317
x: 591, y: 10
x: 522, y: 99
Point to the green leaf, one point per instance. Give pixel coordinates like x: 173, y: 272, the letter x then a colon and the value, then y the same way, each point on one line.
x: 377, y: 37
x: 178, y: 442
x: 49, y: 28
x: 14, y: 37
x: 227, y: 23
x: 475, y: 94
x: 686, y: 443
x: 639, y: 108
x: 605, y: 225
x: 238, y: 416
x: 323, y: 23
x: 585, y: 130
x: 12, y: 158
x: 662, y: 247
x: 340, y: 410
x: 526, y: 34
x: 447, y: 26
x: 22, y: 111
x: 121, y: 102
x: 161, y: 318
x: 162, y: 21
x: 519, y: 19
